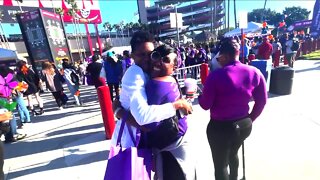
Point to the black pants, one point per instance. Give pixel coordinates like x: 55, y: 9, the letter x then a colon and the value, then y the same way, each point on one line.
x: 114, y: 86
x: 58, y: 97
x: 171, y: 168
x: 225, y: 139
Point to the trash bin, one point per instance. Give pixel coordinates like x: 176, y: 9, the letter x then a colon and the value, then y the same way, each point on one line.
x: 265, y: 67
x: 281, y: 80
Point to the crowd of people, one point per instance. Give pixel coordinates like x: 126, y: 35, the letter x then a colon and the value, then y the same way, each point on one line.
x: 51, y: 79
x: 150, y: 97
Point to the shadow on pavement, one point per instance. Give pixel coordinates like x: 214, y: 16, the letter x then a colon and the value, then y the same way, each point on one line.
x: 60, y: 163
x: 308, y: 69
x: 76, y: 129
x: 59, y: 115
x: 23, y: 148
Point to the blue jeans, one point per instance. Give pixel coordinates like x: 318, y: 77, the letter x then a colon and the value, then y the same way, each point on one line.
x: 13, y: 128
x: 73, y: 89
x: 22, y: 109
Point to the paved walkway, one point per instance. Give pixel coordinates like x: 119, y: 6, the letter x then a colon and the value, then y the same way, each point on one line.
x: 69, y: 144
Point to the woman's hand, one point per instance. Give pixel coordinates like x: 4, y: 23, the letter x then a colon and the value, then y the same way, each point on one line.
x: 183, y: 105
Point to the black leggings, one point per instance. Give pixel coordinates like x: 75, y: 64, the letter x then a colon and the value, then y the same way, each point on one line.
x: 58, y: 97
x: 225, y: 139
x: 116, y: 89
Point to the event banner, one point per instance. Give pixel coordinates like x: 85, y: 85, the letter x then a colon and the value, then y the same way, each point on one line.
x: 89, y: 10
x: 44, y: 37
x: 315, y: 26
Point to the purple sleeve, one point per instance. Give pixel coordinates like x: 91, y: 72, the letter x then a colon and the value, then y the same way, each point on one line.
x: 260, y: 96
x: 208, y: 94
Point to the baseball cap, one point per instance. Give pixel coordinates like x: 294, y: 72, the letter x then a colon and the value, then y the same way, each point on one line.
x: 110, y: 54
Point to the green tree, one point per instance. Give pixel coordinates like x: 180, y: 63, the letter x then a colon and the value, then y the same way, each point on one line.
x: 260, y: 15
x: 107, y: 26
x: 295, y: 14
x: 117, y: 28
x: 136, y: 26
x: 121, y: 27
x: 223, y: 31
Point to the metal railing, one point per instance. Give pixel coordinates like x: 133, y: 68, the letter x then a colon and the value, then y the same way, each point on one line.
x: 188, y: 72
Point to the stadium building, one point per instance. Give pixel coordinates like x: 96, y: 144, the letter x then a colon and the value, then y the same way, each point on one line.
x: 196, y: 15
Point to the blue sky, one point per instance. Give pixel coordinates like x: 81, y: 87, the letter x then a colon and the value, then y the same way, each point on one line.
x: 114, y: 11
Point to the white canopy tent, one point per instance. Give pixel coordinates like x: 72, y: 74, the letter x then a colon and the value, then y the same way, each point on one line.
x: 6, y: 54
x: 253, y: 27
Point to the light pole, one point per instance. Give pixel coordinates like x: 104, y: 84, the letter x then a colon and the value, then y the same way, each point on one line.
x: 177, y: 27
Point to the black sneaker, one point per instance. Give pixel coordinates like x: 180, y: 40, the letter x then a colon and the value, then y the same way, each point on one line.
x: 11, y: 140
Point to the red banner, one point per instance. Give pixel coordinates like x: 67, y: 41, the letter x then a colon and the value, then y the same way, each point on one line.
x: 90, y: 12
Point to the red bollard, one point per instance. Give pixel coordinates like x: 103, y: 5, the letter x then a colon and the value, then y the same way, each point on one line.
x: 106, y: 110
x: 204, y: 72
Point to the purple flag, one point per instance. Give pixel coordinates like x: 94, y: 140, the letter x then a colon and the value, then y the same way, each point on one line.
x: 315, y: 26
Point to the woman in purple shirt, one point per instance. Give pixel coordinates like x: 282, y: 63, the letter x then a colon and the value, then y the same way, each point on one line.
x: 227, y: 93
x: 173, y: 161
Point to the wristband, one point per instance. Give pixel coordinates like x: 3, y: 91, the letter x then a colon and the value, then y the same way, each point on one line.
x: 116, y: 112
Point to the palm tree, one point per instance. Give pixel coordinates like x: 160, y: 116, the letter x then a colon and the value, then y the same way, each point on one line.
x: 235, y: 13
x: 136, y: 26
x: 121, y: 27
x: 228, y: 15
x: 2, y: 34
x: 20, y: 1
x: 128, y: 27
x: 107, y: 27
x: 131, y: 26
x: 71, y: 12
x: 116, y: 27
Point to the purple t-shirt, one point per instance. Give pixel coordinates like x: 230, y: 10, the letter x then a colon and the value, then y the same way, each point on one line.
x: 159, y: 92
x: 228, y: 91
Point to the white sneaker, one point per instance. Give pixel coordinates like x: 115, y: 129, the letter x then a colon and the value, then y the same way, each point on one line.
x: 61, y: 108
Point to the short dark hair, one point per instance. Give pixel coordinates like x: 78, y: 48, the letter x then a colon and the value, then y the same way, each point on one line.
x: 95, y: 58
x: 140, y: 37
x: 19, y: 64
x: 126, y: 53
x: 158, y: 68
x: 164, y: 50
x: 229, y: 46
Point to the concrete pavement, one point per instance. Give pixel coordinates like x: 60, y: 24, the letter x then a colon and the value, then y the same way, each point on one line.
x: 69, y: 144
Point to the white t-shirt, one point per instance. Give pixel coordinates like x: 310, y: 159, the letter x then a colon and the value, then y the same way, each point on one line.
x: 133, y: 97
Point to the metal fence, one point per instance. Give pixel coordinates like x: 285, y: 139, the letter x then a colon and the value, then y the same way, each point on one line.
x: 188, y: 72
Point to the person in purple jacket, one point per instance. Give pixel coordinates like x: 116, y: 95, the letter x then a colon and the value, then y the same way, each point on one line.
x: 227, y: 93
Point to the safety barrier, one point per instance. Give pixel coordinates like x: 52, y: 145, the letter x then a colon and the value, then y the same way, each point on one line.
x: 188, y: 72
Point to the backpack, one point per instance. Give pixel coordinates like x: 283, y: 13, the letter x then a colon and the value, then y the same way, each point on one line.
x: 74, y: 77
x: 295, y: 45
